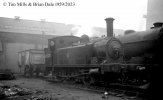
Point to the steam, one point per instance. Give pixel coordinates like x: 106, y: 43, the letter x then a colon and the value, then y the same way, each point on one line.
x: 81, y: 30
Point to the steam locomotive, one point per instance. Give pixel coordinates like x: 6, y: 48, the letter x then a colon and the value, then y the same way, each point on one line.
x: 131, y: 60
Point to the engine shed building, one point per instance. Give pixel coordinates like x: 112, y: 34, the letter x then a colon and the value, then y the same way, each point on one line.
x: 154, y: 12
x: 18, y: 35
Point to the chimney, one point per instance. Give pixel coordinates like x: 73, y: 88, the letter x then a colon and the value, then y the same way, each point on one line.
x: 158, y: 24
x: 109, y: 26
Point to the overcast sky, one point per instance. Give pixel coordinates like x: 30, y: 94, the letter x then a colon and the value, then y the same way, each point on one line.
x: 128, y: 14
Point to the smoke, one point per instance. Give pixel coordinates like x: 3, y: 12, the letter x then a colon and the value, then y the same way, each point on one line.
x: 81, y: 30
x: 88, y: 30
x: 93, y: 31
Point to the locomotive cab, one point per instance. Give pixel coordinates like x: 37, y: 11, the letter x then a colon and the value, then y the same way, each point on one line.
x: 60, y: 42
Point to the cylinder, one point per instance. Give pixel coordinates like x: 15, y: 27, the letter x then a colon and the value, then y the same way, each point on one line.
x: 109, y: 26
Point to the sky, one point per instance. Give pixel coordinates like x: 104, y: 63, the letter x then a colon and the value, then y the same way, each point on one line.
x: 128, y: 14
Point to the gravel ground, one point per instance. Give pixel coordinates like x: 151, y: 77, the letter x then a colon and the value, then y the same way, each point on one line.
x: 56, y: 91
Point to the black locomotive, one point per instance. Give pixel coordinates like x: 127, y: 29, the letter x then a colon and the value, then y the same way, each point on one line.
x: 131, y: 60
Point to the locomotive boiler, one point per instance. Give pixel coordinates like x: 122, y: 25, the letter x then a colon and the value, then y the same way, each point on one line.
x: 143, y: 44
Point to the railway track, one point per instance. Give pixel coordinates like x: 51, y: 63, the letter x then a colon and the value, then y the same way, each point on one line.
x: 105, y: 91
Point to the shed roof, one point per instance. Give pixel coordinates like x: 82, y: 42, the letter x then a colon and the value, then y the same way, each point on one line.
x: 33, y: 27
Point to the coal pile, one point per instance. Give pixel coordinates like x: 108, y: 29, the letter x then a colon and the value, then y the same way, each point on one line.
x: 18, y: 93
x: 7, y: 92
